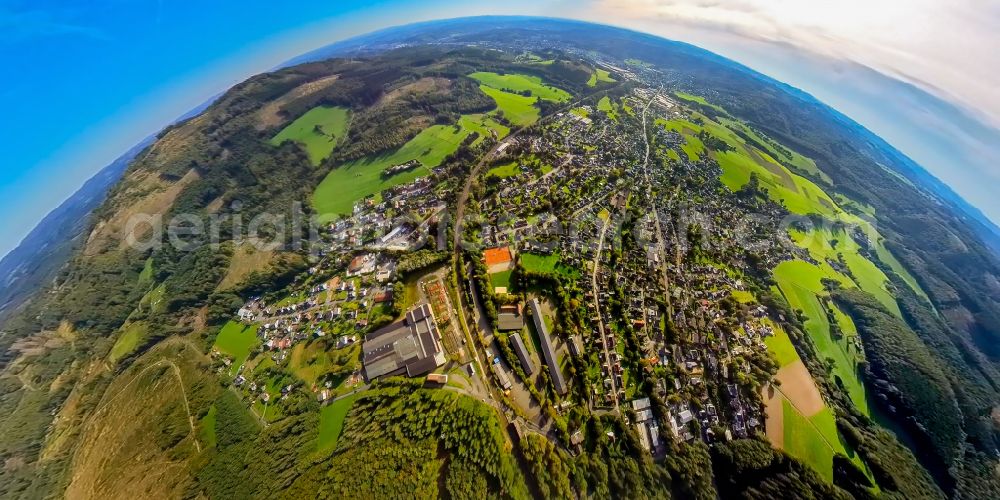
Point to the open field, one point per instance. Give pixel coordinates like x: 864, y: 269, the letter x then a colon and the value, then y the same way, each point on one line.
x: 797, y: 385
x: 781, y: 346
x: 246, y: 259
x: 350, y: 182
x: 501, y: 279
x: 539, y: 263
x: 318, y: 131
x: 331, y: 421
x: 236, y: 340
x: 608, y: 108
x: 506, y: 170
x: 799, y: 283
x: 520, y: 110
x: 521, y: 83
x: 128, y: 340
x: 699, y: 100
x: 784, y: 155
x: 599, y: 76
x: 483, y: 125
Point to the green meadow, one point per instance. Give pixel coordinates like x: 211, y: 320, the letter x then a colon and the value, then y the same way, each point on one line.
x: 815, y: 439
x: 699, y: 100
x: 780, y: 345
x: 236, y: 340
x: 799, y: 282
x: 792, y: 158
x: 331, y: 421
x: 128, y: 340
x: 350, y: 182
x: 318, y: 131
x: 599, y: 76
x: 506, y: 170
x: 539, y: 263
x: 520, y: 110
x: 520, y: 83
x: 608, y: 108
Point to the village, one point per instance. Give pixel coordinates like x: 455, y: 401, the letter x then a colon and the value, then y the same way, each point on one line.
x: 586, y: 287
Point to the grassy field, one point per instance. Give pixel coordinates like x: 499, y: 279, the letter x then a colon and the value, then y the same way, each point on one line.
x: 798, y: 194
x: 346, y: 184
x: 236, y: 340
x: 520, y: 110
x: 813, y: 440
x: 781, y: 346
x: 506, y: 170
x: 484, y: 125
x: 128, y: 340
x: 699, y: 100
x: 539, y: 263
x: 599, y: 76
x: 331, y: 421
x: 318, y: 131
x: 799, y: 282
x: 206, y: 428
x: 792, y: 158
x: 897, y: 267
x: 608, y: 108
x: 520, y: 83
x: 501, y: 279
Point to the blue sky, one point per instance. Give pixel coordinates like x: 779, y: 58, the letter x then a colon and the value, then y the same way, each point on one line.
x: 84, y: 82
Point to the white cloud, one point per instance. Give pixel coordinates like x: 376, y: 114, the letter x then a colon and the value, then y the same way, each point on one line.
x: 948, y: 48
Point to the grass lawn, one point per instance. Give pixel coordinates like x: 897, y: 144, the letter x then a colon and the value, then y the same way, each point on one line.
x: 501, y: 279
x: 799, y: 195
x: 348, y: 183
x: 319, y: 131
x: 236, y: 340
x: 539, y: 263
x: 506, y: 170
x: 520, y: 83
x: 520, y: 110
x: 599, y: 76
x: 128, y: 340
x: 331, y: 421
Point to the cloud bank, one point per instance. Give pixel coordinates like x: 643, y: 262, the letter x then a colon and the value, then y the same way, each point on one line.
x: 922, y: 74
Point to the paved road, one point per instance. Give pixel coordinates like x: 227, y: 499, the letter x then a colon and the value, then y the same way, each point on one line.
x: 597, y: 307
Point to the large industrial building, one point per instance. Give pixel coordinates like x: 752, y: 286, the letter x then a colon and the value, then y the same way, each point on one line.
x: 548, y: 350
x: 411, y: 346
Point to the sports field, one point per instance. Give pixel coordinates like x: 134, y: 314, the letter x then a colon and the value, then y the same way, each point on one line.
x: 350, y: 182
x: 318, y: 131
x: 236, y: 340
x: 501, y: 279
